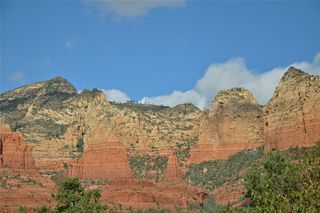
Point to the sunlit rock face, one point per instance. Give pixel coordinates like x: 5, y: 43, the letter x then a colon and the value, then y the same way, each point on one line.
x: 85, y: 135
x: 15, y: 153
x: 292, y: 116
x: 233, y: 123
x: 104, y: 160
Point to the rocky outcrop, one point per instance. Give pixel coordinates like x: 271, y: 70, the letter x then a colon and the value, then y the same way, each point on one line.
x: 14, y: 152
x: 229, y: 192
x: 144, y: 194
x: 24, y: 188
x: 234, y: 123
x: 292, y: 116
x: 104, y: 160
x: 174, y: 169
x: 57, y: 120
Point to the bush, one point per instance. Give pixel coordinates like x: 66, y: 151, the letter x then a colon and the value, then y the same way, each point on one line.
x: 276, y: 184
x: 80, y: 145
x: 210, y: 174
x: 72, y: 197
x: 142, y: 165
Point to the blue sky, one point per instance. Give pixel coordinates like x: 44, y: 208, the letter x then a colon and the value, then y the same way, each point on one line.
x: 162, y: 52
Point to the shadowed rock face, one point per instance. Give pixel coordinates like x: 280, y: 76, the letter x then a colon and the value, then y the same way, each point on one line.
x: 234, y: 123
x: 292, y: 116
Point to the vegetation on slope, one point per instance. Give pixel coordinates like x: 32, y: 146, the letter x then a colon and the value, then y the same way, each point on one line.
x: 280, y: 181
x: 72, y: 197
x: 276, y: 183
x: 142, y: 165
x: 213, y: 173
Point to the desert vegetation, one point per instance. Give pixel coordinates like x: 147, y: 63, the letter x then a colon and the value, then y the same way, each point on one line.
x: 213, y: 173
x: 142, y: 165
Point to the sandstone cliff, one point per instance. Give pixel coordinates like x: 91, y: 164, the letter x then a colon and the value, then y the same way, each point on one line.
x: 97, y: 138
x: 59, y: 122
x: 20, y: 183
x: 15, y: 153
x: 106, y: 160
x: 234, y: 123
x: 292, y: 116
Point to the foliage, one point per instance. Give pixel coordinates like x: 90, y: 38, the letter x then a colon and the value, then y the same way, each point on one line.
x: 80, y: 145
x: 139, y: 107
x: 48, y: 128
x: 22, y: 209
x: 209, y: 206
x: 150, y: 211
x: 276, y: 184
x: 72, y: 197
x: 210, y: 174
x: 142, y: 165
x: 44, y: 209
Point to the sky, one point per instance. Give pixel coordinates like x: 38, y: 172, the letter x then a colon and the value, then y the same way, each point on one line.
x: 157, y: 51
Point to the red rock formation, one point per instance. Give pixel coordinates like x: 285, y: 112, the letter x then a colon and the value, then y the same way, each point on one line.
x: 173, y: 170
x: 292, y: 116
x: 14, y: 152
x: 228, y: 193
x: 21, y: 184
x: 234, y: 123
x: 144, y: 194
x: 102, y: 160
x: 24, y: 188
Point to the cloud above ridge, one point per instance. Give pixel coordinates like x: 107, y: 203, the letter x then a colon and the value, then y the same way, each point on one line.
x: 116, y: 95
x: 232, y: 73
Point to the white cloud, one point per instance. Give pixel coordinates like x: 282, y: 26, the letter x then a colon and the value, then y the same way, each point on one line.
x: 233, y: 73
x: 116, y: 95
x: 175, y: 98
x: 133, y: 8
x: 18, y: 77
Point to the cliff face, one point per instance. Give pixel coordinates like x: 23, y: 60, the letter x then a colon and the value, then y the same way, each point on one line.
x: 20, y: 183
x: 59, y: 122
x: 15, y: 153
x: 234, y: 123
x: 292, y: 116
x: 102, y: 160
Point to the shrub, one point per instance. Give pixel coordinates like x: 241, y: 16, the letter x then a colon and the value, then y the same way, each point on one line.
x: 142, y: 165
x: 276, y: 184
x: 210, y: 174
x: 72, y: 197
x: 80, y: 145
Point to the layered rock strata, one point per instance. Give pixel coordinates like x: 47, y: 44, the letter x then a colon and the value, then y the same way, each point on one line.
x: 15, y: 153
x: 234, y: 123
x: 107, y: 160
x: 292, y: 116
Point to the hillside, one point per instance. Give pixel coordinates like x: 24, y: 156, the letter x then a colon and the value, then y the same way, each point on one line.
x: 141, y: 149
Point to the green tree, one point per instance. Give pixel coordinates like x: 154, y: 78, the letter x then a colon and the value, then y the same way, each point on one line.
x: 72, y: 197
x: 277, y: 184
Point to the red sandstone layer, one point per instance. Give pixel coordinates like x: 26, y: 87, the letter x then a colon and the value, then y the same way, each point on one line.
x: 102, y: 160
x: 14, y: 152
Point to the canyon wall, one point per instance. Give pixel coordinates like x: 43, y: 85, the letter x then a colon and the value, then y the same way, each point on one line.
x: 14, y: 152
x: 94, y: 137
x: 292, y: 116
x: 104, y: 160
x: 20, y: 182
x: 234, y: 123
